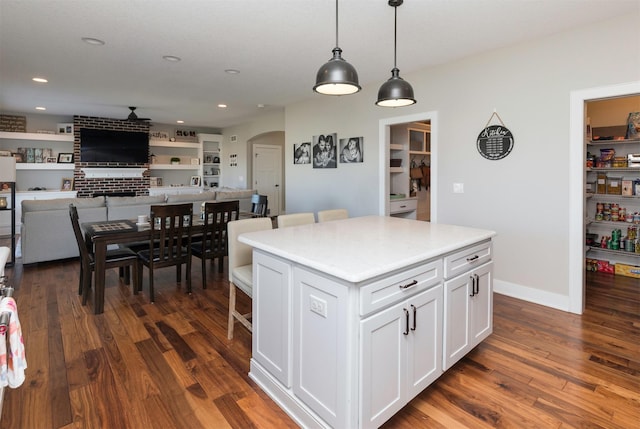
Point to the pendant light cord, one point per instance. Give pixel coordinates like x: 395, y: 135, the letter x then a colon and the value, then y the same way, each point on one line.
x: 395, y: 36
x: 337, y: 45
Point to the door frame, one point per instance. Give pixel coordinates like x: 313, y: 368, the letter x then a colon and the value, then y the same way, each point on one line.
x: 577, y: 123
x: 384, y: 135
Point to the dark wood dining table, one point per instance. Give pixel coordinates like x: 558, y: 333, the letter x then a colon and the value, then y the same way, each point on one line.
x: 101, y: 234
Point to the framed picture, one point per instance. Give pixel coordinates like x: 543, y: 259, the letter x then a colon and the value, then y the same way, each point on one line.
x: 324, y: 151
x: 195, y: 161
x: 302, y: 153
x: 195, y: 180
x: 65, y: 158
x: 67, y: 184
x: 18, y: 156
x: 66, y: 128
x: 51, y: 160
x: 186, y: 135
x: 155, y: 181
x: 351, y: 150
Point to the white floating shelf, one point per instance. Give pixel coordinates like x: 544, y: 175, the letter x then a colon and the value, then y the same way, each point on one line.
x: 44, y: 166
x: 111, y: 172
x: 36, y: 136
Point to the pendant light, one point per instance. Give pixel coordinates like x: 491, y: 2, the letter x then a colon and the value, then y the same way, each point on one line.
x: 396, y: 92
x: 337, y: 77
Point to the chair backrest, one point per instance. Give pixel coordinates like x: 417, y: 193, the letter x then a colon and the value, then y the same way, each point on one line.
x: 334, y: 214
x: 4, y: 257
x: 259, y: 205
x: 171, y: 233
x: 239, y: 253
x: 216, y: 217
x: 295, y: 219
x: 83, y: 249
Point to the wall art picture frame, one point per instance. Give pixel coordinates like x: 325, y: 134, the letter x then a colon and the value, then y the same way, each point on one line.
x: 51, y: 160
x: 67, y: 184
x: 302, y: 153
x: 324, y: 150
x: 65, y: 158
x: 195, y: 181
x: 351, y: 150
x: 65, y: 128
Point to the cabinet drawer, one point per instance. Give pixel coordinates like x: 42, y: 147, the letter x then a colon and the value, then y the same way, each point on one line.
x: 403, y: 206
x: 466, y: 259
x: 390, y: 290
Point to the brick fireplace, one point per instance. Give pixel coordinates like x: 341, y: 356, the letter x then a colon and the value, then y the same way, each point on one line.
x: 88, y: 187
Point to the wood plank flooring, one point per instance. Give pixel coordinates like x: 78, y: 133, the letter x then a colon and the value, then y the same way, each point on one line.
x: 170, y: 365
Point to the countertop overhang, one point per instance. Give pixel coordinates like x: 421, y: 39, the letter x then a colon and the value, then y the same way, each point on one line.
x: 362, y: 248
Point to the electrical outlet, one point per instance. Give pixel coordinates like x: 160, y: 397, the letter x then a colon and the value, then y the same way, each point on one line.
x: 318, y: 305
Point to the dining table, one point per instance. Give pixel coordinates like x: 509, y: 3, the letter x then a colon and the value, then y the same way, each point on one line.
x: 101, y: 234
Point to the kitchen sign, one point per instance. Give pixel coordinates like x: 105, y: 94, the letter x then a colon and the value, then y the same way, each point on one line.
x: 495, y: 141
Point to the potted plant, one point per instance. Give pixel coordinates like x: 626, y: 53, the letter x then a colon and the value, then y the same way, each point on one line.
x: 175, y: 160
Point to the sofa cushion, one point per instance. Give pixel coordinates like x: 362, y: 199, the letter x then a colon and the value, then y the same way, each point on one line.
x: 196, y: 199
x: 131, y: 207
x: 61, y: 204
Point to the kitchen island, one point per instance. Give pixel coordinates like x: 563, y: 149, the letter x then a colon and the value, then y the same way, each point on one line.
x: 353, y: 318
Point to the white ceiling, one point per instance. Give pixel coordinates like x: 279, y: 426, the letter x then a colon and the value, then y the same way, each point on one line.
x: 278, y: 46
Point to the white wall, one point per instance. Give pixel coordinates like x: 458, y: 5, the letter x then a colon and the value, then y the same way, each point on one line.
x: 524, y: 197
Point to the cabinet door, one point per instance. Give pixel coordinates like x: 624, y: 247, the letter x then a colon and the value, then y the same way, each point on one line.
x: 482, y: 304
x: 424, y: 357
x: 457, y: 341
x: 383, y: 343
x: 271, y: 339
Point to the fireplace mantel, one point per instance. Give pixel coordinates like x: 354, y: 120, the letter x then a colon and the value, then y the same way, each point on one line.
x: 112, y: 172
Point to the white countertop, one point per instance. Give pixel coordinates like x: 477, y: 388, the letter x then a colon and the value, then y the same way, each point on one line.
x: 361, y: 248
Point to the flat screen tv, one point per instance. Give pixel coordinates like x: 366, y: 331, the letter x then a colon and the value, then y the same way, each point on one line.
x: 114, y: 146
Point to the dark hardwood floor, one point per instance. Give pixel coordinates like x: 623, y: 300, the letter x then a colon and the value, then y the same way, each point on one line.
x: 170, y: 365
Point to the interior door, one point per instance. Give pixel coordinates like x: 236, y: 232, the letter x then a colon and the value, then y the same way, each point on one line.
x: 267, y: 175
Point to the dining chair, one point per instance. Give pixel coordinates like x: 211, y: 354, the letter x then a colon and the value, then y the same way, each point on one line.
x: 120, y: 257
x: 334, y: 214
x: 213, y: 244
x: 295, y: 219
x: 241, y: 266
x: 259, y: 205
x: 169, y: 243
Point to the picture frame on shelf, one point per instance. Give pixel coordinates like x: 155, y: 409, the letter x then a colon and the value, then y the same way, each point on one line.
x: 195, y: 161
x: 155, y: 182
x: 195, y: 181
x: 65, y: 158
x: 18, y: 156
x: 67, y: 184
x: 51, y: 160
x: 65, y: 128
x: 186, y: 135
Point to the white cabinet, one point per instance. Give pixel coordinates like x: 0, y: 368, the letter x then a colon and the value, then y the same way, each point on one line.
x: 401, y: 354
x: 468, y: 312
x: 211, y: 159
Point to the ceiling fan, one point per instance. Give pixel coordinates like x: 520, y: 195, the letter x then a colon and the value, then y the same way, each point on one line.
x: 134, y: 118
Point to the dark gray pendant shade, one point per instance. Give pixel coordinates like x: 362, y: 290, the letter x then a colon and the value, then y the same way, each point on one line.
x: 337, y: 77
x: 396, y: 92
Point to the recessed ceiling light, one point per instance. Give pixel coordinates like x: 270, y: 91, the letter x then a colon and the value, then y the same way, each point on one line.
x: 222, y: 106
x: 260, y: 106
x: 180, y: 122
x: 232, y: 71
x: 93, y: 41
x: 41, y: 108
x: 171, y: 58
x: 40, y: 80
